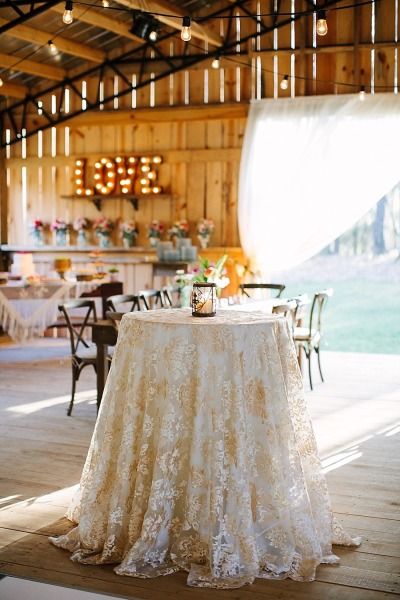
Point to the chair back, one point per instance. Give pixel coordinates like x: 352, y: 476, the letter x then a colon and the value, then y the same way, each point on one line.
x: 318, y: 304
x: 302, y: 306
x: 104, y: 291
x: 114, y: 301
x: 151, y: 299
x: 115, y: 317
x: 287, y: 309
x: 87, y: 315
x: 245, y: 288
x: 171, y: 295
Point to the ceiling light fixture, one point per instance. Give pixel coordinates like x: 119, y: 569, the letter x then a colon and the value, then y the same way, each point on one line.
x: 68, y: 16
x: 105, y: 3
x: 145, y: 26
x: 322, y: 26
x: 186, y: 33
x: 1, y: 82
x: 215, y: 64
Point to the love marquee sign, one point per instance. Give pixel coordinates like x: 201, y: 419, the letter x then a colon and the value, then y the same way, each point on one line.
x: 123, y: 175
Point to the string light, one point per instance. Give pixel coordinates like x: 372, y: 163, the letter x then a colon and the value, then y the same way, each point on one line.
x: 284, y: 83
x: 52, y: 47
x: 153, y: 35
x: 322, y: 26
x: 68, y: 16
x: 215, y: 64
x: 186, y: 33
x: 362, y: 93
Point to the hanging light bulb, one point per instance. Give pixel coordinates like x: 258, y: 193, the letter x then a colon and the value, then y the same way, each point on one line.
x: 186, y: 33
x: 52, y: 47
x: 284, y: 84
x: 67, y: 16
x: 153, y: 35
x: 362, y: 93
x: 105, y: 3
x: 322, y: 26
x: 215, y: 64
x: 1, y: 82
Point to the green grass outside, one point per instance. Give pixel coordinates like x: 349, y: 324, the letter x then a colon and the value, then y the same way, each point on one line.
x: 361, y: 316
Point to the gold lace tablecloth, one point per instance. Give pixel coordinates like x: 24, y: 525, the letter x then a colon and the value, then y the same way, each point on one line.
x: 203, y: 457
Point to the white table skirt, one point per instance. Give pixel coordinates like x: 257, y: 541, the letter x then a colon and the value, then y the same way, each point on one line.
x: 203, y: 456
x: 27, y: 310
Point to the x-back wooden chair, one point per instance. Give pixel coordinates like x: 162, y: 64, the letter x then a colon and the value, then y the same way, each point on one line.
x: 245, y: 288
x: 308, y: 338
x: 83, y: 352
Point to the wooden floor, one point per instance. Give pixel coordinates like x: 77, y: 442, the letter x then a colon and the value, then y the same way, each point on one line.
x: 356, y: 415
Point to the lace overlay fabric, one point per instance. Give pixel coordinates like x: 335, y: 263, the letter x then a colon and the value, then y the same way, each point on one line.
x: 203, y: 456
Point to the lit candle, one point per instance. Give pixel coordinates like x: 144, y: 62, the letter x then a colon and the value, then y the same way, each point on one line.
x: 207, y: 306
x: 203, y: 299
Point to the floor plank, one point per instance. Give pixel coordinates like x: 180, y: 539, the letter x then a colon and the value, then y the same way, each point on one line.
x: 356, y: 416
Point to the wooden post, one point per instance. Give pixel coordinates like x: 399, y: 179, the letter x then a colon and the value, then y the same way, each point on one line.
x: 3, y: 197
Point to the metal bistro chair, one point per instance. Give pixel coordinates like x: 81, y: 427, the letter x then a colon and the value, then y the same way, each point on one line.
x: 245, y: 288
x: 309, y: 338
x: 83, y: 353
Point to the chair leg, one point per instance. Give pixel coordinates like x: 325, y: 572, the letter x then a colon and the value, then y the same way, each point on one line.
x: 75, y: 376
x: 309, y: 367
x: 319, y: 362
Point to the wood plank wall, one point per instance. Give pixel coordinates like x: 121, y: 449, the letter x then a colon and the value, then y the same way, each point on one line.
x: 202, y: 152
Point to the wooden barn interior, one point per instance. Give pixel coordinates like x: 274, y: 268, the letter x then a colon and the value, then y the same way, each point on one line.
x: 116, y: 116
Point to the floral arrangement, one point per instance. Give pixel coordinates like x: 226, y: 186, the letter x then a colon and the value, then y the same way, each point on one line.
x: 81, y: 224
x: 59, y: 225
x: 103, y: 226
x: 205, y: 227
x: 128, y: 230
x: 155, y: 229
x: 212, y: 273
x: 37, y: 225
x: 206, y: 272
x: 179, y: 229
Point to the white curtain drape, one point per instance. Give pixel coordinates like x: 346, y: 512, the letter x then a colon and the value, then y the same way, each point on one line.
x: 310, y: 168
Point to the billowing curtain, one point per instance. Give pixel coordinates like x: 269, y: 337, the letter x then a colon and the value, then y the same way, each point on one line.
x: 310, y: 168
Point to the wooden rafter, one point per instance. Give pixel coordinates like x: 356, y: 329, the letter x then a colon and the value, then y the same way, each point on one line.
x: 97, y: 19
x: 12, y: 90
x: 200, y: 32
x: 36, y: 36
x: 32, y: 67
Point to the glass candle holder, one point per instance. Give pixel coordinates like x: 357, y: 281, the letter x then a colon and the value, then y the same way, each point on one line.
x: 204, y: 300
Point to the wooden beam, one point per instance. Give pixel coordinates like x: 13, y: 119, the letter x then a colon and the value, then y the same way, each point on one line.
x: 13, y: 90
x: 98, y: 19
x: 36, y: 36
x: 3, y: 194
x: 201, y: 32
x: 158, y: 66
x: 161, y: 115
x: 203, y: 112
x: 32, y: 67
x: 169, y: 156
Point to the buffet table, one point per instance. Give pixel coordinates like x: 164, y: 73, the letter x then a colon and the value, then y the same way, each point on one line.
x: 27, y: 310
x: 203, y: 456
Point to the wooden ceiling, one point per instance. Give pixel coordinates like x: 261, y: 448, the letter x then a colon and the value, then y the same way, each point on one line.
x: 99, y: 44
